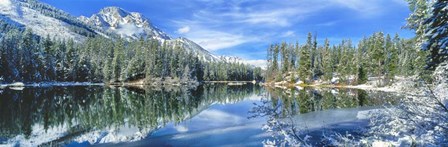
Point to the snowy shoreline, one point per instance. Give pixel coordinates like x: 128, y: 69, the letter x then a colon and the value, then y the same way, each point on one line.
x: 401, y: 85
x: 50, y: 84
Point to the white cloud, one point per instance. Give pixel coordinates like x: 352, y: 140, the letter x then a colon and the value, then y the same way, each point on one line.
x: 226, y: 24
x: 213, y: 40
x: 183, y: 30
x: 258, y: 63
x: 275, y: 17
x: 262, y: 15
x: 288, y: 34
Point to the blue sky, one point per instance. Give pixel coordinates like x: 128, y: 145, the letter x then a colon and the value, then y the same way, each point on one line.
x: 245, y: 28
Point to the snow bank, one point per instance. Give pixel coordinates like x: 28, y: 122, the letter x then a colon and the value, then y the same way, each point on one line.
x: 17, y: 84
x: 441, y: 83
x: 400, y: 85
x: 365, y: 114
x: 420, y: 119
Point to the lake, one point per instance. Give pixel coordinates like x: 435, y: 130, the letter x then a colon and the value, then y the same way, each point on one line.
x: 207, y: 115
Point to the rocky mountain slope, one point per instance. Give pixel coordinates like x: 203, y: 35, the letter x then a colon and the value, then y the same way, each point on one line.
x: 130, y: 25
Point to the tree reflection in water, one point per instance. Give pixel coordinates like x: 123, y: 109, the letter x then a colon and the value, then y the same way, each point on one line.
x: 84, y: 109
x: 283, y: 108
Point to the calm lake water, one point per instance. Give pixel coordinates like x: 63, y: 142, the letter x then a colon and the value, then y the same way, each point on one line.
x: 208, y: 115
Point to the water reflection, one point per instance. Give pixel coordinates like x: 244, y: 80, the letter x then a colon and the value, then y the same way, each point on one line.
x: 294, y: 101
x: 58, y: 115
x: 297, y: 117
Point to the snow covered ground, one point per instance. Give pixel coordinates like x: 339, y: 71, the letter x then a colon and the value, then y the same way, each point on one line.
x: 401, y: 84
x: 421, y: 119
x: 49, y: 84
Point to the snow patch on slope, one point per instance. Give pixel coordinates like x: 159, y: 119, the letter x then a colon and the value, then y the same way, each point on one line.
x: 128, y: 29
x: 130, y: 25
x: 8, y: 7
x: 5, y: 4
x: 40, y: 24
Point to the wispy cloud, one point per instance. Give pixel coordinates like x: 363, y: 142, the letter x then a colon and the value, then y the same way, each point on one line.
x: 327, y: 24
x: 213, y: 40
x: 224, y: 24
x: 183, y: 30
x: 257, y: 63
x: 288, y: 34
x: 247, y: 27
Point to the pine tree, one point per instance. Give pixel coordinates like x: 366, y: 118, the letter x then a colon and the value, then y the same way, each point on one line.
x: 362, y: 75
x: 393, y: 58
x: 116, y: 64
x: 71, y: 61
x: 285, y: 58
x: 275, y: 69
x: 305, y: 61
x: 378, y: 54
x: 415, y: 21
x: 327, y: 61
x: 387, y: 59
x: 437, y: 34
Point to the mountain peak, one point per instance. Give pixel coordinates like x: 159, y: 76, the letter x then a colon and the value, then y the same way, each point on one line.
x: 130, y: 25
x: 112, y: 10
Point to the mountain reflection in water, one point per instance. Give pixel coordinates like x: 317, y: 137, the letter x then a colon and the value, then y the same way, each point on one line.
x: 83, y: 115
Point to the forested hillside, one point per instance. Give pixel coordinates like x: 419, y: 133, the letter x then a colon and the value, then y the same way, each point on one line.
x: 29, y: 58
x: 379, y: 55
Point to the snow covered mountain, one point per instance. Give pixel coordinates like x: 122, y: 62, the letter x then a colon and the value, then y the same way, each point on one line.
x: 110, y: 22
x: 131, y: 25
x: 44, y: 19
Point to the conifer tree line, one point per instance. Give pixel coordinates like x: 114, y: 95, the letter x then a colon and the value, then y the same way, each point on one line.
x: 379, y: 55
x: 25, y: 57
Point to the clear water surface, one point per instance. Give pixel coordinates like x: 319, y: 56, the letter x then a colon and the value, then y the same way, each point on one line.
x: 208, y: 115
